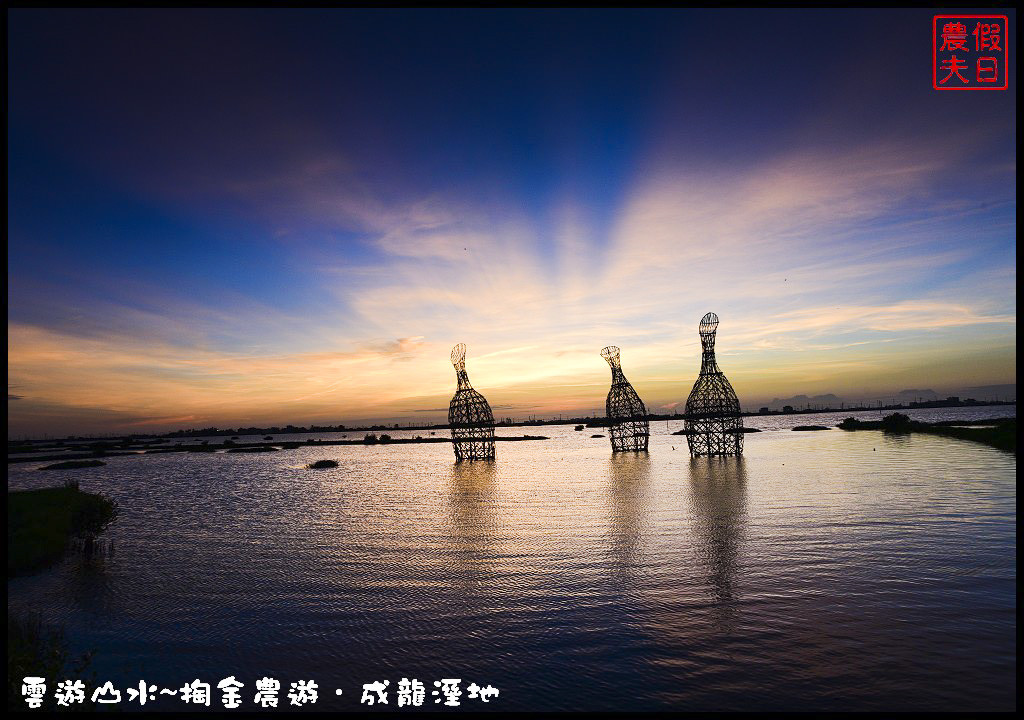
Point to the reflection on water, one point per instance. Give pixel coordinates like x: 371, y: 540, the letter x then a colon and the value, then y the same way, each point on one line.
x: 826, y: 571
x: 472, y: 510
x: 896, y: 440
x: 627, y: 497
x: 718, y: 501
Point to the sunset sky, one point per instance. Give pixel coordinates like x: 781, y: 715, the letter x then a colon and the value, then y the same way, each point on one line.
x: 269, y: 217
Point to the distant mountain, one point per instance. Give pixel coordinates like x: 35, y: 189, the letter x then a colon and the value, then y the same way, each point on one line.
x: 991, y: 392
x: 830, y: 400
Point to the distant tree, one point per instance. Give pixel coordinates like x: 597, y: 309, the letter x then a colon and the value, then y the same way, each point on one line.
x: 897, y: 423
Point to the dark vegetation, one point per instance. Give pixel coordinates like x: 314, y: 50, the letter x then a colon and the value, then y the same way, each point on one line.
x: 1002, y: 436
x: 322, y: 464
x: 40, y: 524
x: 805, y: 428
x: 71, y: 464
x: 35, y: 650
x: 1001, y: 433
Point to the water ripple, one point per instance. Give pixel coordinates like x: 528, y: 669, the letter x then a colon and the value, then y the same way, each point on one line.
x: 823, y: 571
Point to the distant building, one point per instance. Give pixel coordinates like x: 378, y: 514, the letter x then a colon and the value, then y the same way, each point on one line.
x: 787, y: 408
x: 764, y: 411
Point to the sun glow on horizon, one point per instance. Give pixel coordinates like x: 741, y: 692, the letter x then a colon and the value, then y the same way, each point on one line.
x: 316, y: 264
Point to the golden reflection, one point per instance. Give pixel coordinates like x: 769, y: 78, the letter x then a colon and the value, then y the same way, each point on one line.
x: 629, y: 475
x: 718, y: 497
x: 473, y: 517
x: 897, y: 440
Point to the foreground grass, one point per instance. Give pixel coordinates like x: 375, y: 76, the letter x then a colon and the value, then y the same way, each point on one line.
x: 40, y: 523
x: 36, y: 650
x: 1002, y: 434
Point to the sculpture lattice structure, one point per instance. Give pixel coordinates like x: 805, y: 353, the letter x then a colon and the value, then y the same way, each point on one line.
x: 469, y: 416
x: 627, y: 415
x: 713, y: 422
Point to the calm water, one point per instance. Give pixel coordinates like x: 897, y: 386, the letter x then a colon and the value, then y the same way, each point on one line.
x: 825, y: 570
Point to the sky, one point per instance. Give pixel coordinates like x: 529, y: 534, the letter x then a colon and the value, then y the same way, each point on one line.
x: 266, y: 217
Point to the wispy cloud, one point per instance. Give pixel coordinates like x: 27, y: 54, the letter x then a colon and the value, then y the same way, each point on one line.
x: 797, y: 254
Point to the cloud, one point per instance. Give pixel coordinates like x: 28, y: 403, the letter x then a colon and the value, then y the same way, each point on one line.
x: 846, y: 257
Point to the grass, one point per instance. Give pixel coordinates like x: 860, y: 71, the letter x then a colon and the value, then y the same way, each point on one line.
x: 1003, y: 434
x: 322, y: 464
x: 40, y: 523
x: 35, y: 650
x: 71, y: 464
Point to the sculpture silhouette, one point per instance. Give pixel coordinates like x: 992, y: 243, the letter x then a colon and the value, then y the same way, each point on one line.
x: 469, y: 416
x: 713, y: 422
x: 627, y: 416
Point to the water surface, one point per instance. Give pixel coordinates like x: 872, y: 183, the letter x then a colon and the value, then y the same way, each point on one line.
x: 826, y: 570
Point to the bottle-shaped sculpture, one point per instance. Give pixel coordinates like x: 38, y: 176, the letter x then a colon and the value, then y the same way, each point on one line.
x: 469, y: 415
x: 713, y: 424
x: 627, y: 416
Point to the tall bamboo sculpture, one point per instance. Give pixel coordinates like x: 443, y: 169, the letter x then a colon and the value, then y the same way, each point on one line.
x: 469, y: 416
x: 627, y: 416
x: 713, y: 422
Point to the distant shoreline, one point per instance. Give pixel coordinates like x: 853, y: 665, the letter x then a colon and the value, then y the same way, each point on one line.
x: 975, y: 429
x: 126, y: 448
x: 589, y: 421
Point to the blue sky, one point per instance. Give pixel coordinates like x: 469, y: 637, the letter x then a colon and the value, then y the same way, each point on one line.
x: 262, y: 217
